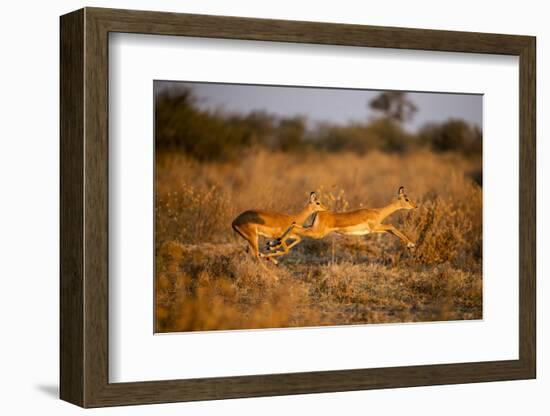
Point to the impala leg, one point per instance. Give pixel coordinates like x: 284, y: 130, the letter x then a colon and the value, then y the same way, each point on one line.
x: 285, y: 248
x: 278, y: 242
x: 274, y: 245
x: 388, y: 228
x: 296, y: 241
x: 251, y: 237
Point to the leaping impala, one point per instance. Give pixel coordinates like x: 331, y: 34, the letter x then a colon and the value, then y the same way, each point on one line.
x: 360, y: 222
x: 252, y: 224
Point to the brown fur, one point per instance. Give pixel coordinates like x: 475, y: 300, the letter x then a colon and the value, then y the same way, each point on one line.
x: 253, y: 223
x: 358, y: 222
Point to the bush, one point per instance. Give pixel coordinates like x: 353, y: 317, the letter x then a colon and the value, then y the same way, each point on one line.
x: 181, y: 126
x: 390, y: 135
x: 449, y: 229
x: 380, y: 134
x: 453, y: 135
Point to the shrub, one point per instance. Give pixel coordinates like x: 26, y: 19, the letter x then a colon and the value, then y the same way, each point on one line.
x: 452, y: 135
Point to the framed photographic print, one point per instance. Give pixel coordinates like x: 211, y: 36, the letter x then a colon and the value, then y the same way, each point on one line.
x: 255, y: 207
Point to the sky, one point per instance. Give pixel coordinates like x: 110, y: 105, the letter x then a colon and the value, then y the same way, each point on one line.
x: 333, y: 105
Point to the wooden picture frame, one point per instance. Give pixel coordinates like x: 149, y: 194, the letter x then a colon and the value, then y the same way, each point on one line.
x: 84, y: 207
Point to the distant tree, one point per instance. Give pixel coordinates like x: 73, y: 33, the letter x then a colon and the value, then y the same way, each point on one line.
x: 394, y: 105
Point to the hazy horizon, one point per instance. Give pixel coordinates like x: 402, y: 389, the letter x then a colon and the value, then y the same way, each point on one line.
x: 321, y: 104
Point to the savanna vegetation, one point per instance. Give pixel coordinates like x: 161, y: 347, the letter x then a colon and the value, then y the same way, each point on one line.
x: 211, y: 166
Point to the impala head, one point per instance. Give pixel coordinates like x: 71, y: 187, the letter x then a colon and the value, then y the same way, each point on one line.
x: 315, y: 204
x: 404, y: 201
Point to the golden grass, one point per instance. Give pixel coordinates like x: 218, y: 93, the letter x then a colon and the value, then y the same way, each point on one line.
x: 205, y: 280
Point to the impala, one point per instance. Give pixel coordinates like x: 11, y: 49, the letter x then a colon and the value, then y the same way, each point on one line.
x: 252, y: 224
x: 359, y: 222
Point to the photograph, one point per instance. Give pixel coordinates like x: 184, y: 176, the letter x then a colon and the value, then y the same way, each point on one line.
x: 280, y: 206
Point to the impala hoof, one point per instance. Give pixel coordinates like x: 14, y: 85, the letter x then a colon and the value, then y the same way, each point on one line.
x: 272, y: 244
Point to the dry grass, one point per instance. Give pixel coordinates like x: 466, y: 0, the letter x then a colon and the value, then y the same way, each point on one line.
x: 205, y: 280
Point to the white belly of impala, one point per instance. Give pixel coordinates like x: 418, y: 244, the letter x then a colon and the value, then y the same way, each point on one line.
x: 360, y: 232
x: 356, y: 231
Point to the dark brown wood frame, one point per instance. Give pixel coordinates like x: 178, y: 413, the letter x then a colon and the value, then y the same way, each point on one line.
x: 84, y: 207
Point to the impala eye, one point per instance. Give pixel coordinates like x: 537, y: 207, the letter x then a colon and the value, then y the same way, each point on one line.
x: 318, y: 203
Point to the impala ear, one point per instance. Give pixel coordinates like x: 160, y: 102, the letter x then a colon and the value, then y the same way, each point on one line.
x: 401, y: 191
x: 313, y: 197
